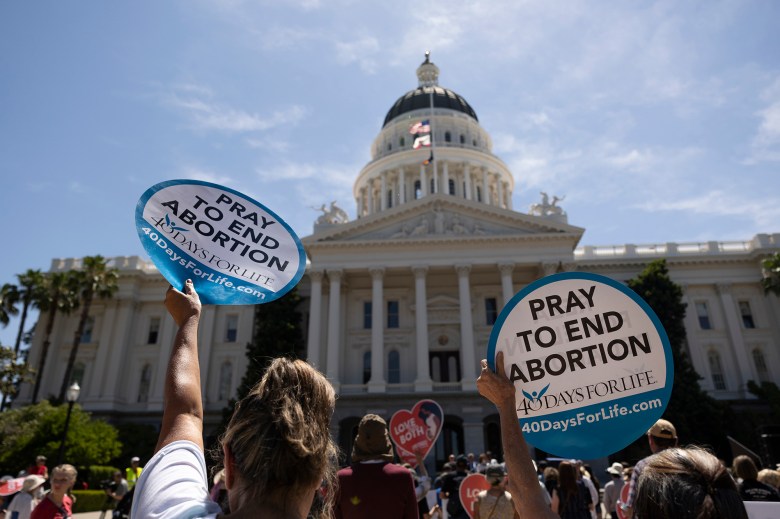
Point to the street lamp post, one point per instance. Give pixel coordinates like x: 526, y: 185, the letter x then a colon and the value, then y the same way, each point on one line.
x: 71, y: 395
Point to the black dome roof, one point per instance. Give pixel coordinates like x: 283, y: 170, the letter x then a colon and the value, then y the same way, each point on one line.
x: 419, y: 98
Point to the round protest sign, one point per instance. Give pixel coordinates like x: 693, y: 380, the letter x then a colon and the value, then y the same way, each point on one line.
x: 590, y: 361
x: 234, y: 249
x: 416, y: 430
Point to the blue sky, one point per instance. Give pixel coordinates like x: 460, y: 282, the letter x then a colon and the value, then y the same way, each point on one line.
x: 658, y: 121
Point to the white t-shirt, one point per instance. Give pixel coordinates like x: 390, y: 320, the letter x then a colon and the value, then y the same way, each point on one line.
x: 23, y: 503
x: 174, y: 485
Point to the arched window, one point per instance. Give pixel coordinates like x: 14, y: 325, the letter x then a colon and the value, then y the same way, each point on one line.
x: 146, y: 381
x: 479, y: 194
x: 366, y: 367
x: 717, y: 370
x: 77, y: 374
x: 225, y: 380
x: 474, y: 142
x: 401, y: 142
x: 417, y: 190
x: 393, y: 367
x: 462, y: 139
x: 447, y: 137
x: 433, y: 186
x: 450, y: 440
x: 389, y: 198
x: 452, y: 187
x: 389, y: 146
x: 762, y: 370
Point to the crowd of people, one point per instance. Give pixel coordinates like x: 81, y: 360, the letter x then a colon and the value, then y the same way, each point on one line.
x: 44, y: 497
x: 277, y: 459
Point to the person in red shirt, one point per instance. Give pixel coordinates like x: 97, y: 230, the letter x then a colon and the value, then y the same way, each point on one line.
x: 39, y: 469
x: 57, y: 504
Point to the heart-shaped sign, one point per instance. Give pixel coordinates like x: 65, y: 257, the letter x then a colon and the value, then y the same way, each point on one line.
x: 470, y: 487
x: 623, y: 498
x: 416, y: 430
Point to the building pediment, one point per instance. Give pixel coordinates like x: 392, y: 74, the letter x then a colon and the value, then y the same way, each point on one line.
x: 441, y: 218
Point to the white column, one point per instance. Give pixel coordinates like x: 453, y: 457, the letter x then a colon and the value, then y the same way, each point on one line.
x: 695, y: 351
x: 119, y: 346
x: 105, y: 347
x: 370, y: 195
x: 435, y: 177
x: 334, y: 328
x: 206, y: 338
x: 360, y: 202
x: 485, y: 186
x: 167, y: 332
x: 401, y: 186
x: 468, y: 363
x: 446, y: 173
x: 423, y: 382
x: 735, y: 333
x: 506, y: 280
x: 315, y: 318
x: 383, y: 191
x: 423, y: 187
x: 500, y: 186
x: 467, y: 180
x: 377, y: 382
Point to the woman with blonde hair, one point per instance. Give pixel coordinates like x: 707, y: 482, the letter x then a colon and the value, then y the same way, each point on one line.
x: 57, y: 504
x: 277, y: 447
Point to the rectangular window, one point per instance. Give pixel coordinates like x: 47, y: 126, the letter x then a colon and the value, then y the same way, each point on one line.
x: 704, y: 315
x: 86, y: 334
x: 747, y: 315
x: 392, y: 314
x: 367, y: 315
x: 444, y: 366
x: 491, y: 311
x: 231, y: 328
x: 717, y: 371
x: 154, y: 330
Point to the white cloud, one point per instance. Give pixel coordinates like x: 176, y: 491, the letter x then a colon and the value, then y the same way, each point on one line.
x: 361, y: 51
x: 765, y: 146
x: 763, y: 213
x: 196, y: 173
x: 195, y: 103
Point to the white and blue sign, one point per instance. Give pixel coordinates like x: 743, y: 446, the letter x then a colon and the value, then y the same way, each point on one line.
x: 590, y: 361
x: 235, y: 250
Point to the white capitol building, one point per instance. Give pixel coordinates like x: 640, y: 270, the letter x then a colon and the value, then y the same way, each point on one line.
x: 398, y: 303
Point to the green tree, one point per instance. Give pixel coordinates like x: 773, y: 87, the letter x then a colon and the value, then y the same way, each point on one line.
x: 771, y: 280
x: 95, y: 279
x: 29, y: 294
x: 37, y: 429
x: 60, y: 295
x: 697, y: 416
x: 276, y: 332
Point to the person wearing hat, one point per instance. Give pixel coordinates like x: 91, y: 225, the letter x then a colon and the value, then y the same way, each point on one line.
x: 450, y: 488
x: 496, y: 502
x: 612, y: 489
x: 373, y: 486
x: 133, y: 472
x: 662, y: 435
x: 25, y: 501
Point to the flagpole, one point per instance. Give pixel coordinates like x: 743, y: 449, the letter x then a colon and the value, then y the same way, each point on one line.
x: 433, y: 139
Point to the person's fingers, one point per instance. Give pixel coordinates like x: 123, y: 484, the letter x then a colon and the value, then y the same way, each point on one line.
x: 500, y: 364
x: 188, y: 287
x: 484, y: 364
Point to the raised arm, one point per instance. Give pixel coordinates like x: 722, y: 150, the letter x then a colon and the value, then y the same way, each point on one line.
x: 523, y: 483
x: 183, y: 408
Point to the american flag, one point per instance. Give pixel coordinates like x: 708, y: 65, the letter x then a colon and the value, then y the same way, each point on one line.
x: 420, y: 127
x: 422, y: 140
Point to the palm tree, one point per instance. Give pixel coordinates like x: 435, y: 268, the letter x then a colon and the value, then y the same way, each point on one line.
x: 28, y: 292
x: 95, y: 279
x: 61, y: 296
x: 9, y: 297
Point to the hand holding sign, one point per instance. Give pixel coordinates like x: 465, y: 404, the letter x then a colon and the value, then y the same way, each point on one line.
x: 416, y: 431
x: 589, y: 360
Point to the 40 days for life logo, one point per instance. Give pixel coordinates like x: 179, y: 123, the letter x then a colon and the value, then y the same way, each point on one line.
x: 590, y: 361
x: 234, y: 249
